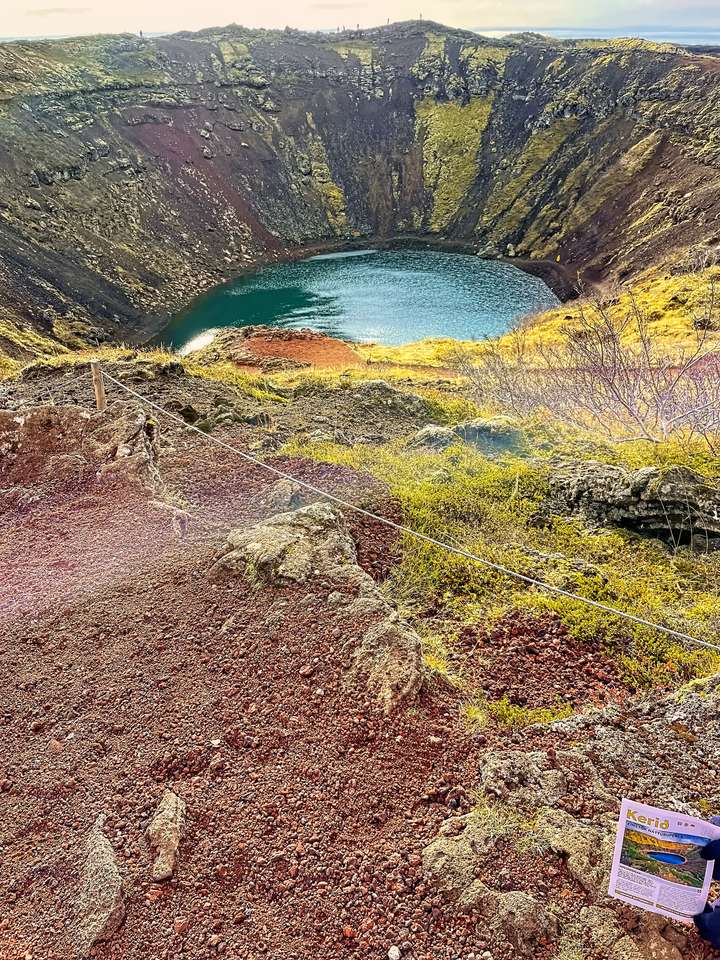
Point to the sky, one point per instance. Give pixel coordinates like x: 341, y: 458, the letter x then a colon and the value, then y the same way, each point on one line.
x: 26, y: 18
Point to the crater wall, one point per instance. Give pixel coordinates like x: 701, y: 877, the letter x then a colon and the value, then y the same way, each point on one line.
x: 136, y: 173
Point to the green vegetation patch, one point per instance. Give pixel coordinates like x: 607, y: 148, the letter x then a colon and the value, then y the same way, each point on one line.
x: 670, y: 301
x: 480, y: 712
x: 361, y: 50
x: 332, y: 195
x: 508, y: 206
x: 491, y: 508
x: 451, y: 135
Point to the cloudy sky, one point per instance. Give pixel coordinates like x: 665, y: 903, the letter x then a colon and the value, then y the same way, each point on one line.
x: 62, y: 17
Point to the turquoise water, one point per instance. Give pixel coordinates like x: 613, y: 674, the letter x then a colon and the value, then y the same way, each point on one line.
x: 385, y: 296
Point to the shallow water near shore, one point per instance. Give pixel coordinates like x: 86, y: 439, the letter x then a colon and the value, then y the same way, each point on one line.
x: 382, y: 296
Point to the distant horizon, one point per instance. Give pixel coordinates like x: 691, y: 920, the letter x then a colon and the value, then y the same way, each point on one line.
x: 654, y: 32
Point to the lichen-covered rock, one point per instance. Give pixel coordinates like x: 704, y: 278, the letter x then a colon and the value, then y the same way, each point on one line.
x: 291, y: 546
x: 164, y: 834
x: 675, y: 503
x: 599, y: 929
x: 284, y: 495
x: 433, y: 438
x: 312, y: 543
x: 565, y: 800
x: 532, y: 778
x: 100, y: 909
x: 453, y: 856
x: 388, y: 661
x: 451, y: 861
x: 585, y: 848
x: 523, y: 919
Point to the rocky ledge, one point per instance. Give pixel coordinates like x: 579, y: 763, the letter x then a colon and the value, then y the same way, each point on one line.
x: 676, y: 504
x: 560, y: 798
x: 312, y: 544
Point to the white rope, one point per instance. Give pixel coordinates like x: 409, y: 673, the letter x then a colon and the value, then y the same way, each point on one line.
x: 68, y: 383
x: 458, y: 551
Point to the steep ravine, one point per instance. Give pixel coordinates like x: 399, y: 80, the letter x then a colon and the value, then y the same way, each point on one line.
x: 136, y: 173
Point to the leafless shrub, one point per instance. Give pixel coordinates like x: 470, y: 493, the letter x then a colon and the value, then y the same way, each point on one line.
x: 607, y: 373
x: 708, y: 317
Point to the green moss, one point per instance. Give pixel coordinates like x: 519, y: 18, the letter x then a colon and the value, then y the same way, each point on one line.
x: 434, y: 46
x: 361, y: 50
x: 511, y: 715
x: 479, y: 57
x: 451, y: 136
x: 508, y: 206
x: 625, y: 44
x: 438, y: 658
x: 448, y: 408
x: 332, y: 195
x: 232, y: 50
x: 476, y: 715
x: 20, y: 343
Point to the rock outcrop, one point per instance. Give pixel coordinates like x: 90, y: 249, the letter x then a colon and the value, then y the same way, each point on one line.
x: 676, y: 504
x: 59, y: 446
x: 100, y: 908
x: 433, y: 437
x: 565, y: 800
x: 294, y: 546
x: 492, y: 435
x: 312, y: 544
x: 451, y: 860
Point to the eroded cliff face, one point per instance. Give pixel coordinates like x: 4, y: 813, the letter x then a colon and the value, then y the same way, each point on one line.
x: 135, y: 173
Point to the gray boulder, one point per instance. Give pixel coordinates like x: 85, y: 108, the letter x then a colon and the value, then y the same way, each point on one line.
x: 492, y: 435
x: 292, y: 546
x: 387, y: 660
x: 380, y: 394
x: 286, y: 495
x: 675, y: 504
x: 524, y: 920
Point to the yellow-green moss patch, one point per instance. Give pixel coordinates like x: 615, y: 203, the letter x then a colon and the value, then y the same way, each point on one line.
x: 451, y: 135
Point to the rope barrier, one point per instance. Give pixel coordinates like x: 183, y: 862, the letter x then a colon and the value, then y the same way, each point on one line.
x: 69, y: 383
x: 457, y: 551
x: 63, y: 383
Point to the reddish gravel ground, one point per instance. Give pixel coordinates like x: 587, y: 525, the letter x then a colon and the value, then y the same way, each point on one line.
x: 533, y: 662
x: 305, y: 346
x: 304, y: 810
x: 125, y: 669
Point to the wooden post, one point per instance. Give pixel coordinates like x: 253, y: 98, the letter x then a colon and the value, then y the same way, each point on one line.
x: 98, y: 385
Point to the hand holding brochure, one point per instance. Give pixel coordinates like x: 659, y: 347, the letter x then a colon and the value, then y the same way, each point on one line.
x: 657, y: 863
